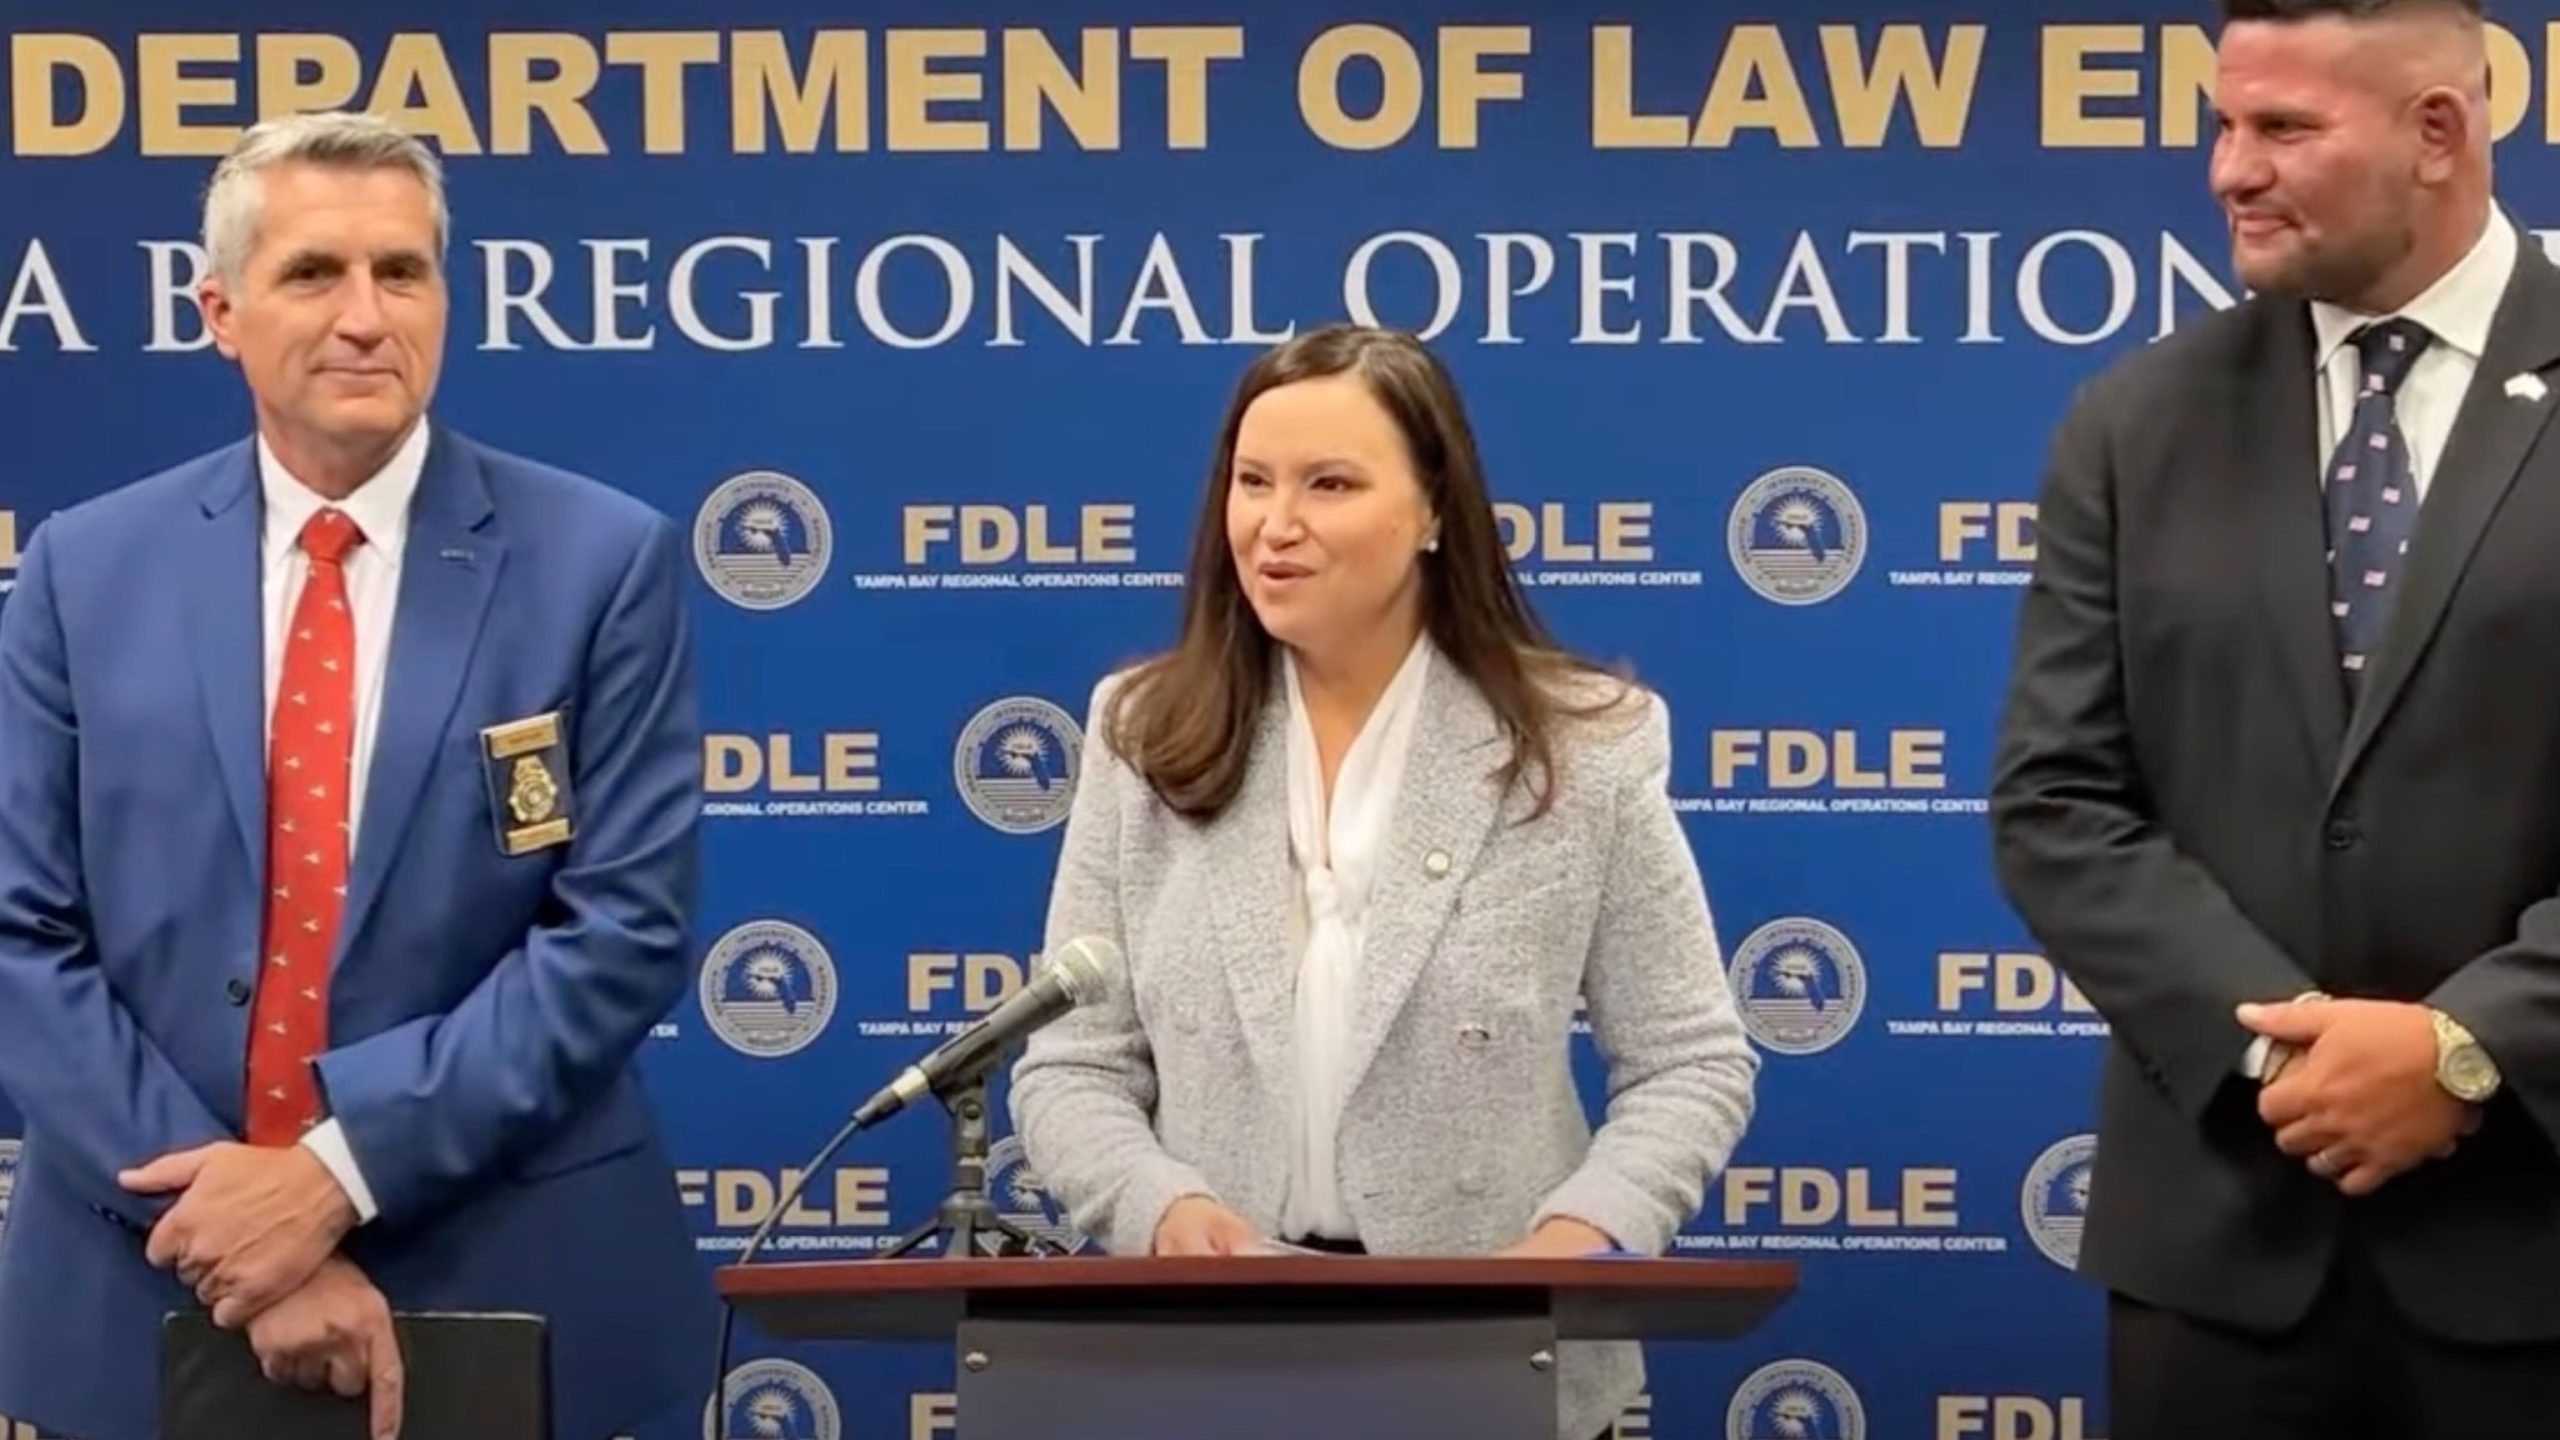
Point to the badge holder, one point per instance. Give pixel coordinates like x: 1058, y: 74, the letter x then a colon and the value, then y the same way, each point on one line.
x: 526, y: 764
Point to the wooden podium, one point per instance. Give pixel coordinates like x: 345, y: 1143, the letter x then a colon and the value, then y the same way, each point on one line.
x: 1279, y: 1347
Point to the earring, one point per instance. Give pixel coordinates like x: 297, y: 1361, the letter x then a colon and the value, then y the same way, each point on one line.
x: 1432, y: 544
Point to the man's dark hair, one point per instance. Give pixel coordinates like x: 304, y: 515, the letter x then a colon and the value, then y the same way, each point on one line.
x: 2344, y: 9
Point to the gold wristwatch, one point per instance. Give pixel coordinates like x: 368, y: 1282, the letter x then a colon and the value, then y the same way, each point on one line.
x: 2462, y: 1067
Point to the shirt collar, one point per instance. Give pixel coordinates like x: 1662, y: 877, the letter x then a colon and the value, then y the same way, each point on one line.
x: 2457, y: 309
x: 379, y: 506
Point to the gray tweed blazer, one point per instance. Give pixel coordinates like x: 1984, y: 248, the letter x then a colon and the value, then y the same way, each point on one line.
x: 1463, y: 1127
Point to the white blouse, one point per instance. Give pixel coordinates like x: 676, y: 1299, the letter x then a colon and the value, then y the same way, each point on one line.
x: 1334, y: 858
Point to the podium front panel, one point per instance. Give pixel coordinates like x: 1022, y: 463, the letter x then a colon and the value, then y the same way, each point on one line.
x: 1484, y: 1378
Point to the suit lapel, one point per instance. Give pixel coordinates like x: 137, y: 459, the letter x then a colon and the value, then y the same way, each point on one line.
x: 1442, y: 815
x: 2275, y: 413
x: 1247, y: 873
x: 2492, y: 434
x: 448, y: 570
x: 226, y: 610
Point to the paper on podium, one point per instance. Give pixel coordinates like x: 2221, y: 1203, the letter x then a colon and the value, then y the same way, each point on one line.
x: 470, y: 1377
x: 1266, y: 1245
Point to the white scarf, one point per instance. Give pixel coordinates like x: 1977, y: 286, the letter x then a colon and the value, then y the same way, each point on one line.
x: 1336, y: 859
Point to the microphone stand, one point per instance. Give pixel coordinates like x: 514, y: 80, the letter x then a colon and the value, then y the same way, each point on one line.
x: 967, y: 1213
x: 962, y: 1217
x: 967, y: 1216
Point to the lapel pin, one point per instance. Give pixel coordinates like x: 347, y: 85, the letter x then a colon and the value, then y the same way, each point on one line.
x: 2526, y: 386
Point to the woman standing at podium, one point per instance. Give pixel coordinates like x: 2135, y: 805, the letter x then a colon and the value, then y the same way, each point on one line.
x: 1367, y: 838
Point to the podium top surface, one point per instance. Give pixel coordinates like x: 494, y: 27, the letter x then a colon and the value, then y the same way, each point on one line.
x: 926, y: 1298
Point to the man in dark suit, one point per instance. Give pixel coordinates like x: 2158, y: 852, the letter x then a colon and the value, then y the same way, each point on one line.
x: 348, y: 808
x: 2278, y: 783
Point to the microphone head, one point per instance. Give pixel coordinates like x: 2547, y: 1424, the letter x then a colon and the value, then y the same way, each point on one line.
x: 1085, y: 967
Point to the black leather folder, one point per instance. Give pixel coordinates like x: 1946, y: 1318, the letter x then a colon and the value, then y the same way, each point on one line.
x: 470, y: 1377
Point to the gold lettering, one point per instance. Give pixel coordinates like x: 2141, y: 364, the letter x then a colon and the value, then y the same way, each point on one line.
x: 731, y: 763
x: 1186, y: 52
x: 2187, y: 67
x: 1615, y: 125
x: 1320, y: 87
x: 2551, y: 120
x: 662, y: 57
x: 914, y: 86
x: 417, y: 92
x: 1465, y: 85
x: 1941, y: 99
x: 862, y: 1195
x: 561, y: 96
x: 1037, y: 547
x: 33, y: 61
x: 1036, y: 74
x: 167, y: 92
x: 1730, y: 752
x: 1626, y: 530
x: 853, y: 760
x: 1929, y: 1198
x: 2510, y: 80
x: 1845, y: 772
x: 992, y: 534
x: 2069, y: 85
x: 780, y: 776
x: 838, y: 80
x: 1108, y: 533
x: 1756, y: 53
x: 1919, y: 759
x: 930, y: 1417
x: 282, y: 90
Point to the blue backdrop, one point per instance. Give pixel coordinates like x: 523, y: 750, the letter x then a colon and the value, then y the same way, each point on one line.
x: 925, y: 332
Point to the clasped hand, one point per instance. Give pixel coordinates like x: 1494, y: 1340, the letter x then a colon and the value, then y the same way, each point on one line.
x: 254, y: 1233
x: 250, y: 1225
x: 2352, y: 1089
x: 335, y: 1333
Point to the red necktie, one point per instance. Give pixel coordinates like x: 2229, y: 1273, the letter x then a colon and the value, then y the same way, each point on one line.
x: 308, y: 760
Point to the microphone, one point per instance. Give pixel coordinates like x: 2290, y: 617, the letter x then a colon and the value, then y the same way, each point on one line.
x: 1077, y: 972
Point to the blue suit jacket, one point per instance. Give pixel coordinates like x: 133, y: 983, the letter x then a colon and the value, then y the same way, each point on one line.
x: 484, y: 1008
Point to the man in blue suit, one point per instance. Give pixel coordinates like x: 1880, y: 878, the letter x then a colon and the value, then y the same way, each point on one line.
x: 348, y: 806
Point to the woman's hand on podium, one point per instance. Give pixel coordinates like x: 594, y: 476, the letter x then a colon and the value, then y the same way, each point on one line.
x: 1560, y: 1238
x: 1198, y: 1225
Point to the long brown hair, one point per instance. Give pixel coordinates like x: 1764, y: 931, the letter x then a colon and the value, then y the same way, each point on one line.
x: 1186, y: 718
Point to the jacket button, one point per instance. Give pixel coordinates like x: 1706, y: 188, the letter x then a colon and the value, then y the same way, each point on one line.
x: 2343, y: 835
x: 236, y: 990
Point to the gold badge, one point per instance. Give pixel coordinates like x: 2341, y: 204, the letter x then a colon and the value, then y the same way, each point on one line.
x: 533, y: 794
x: 528, y: 772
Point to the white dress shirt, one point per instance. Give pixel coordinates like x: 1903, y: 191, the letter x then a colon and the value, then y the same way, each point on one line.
x: 1334, y: 852
x: 2457, y: 311
x: 380, y: 509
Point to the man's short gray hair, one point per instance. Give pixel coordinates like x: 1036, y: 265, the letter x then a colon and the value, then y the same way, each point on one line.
x: 234, y: 199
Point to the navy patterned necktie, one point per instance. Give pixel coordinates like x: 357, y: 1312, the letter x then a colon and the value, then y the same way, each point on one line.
x: 2372, y: 498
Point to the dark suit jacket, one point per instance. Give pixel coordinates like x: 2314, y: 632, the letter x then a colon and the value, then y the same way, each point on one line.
x: 2187, y: 815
